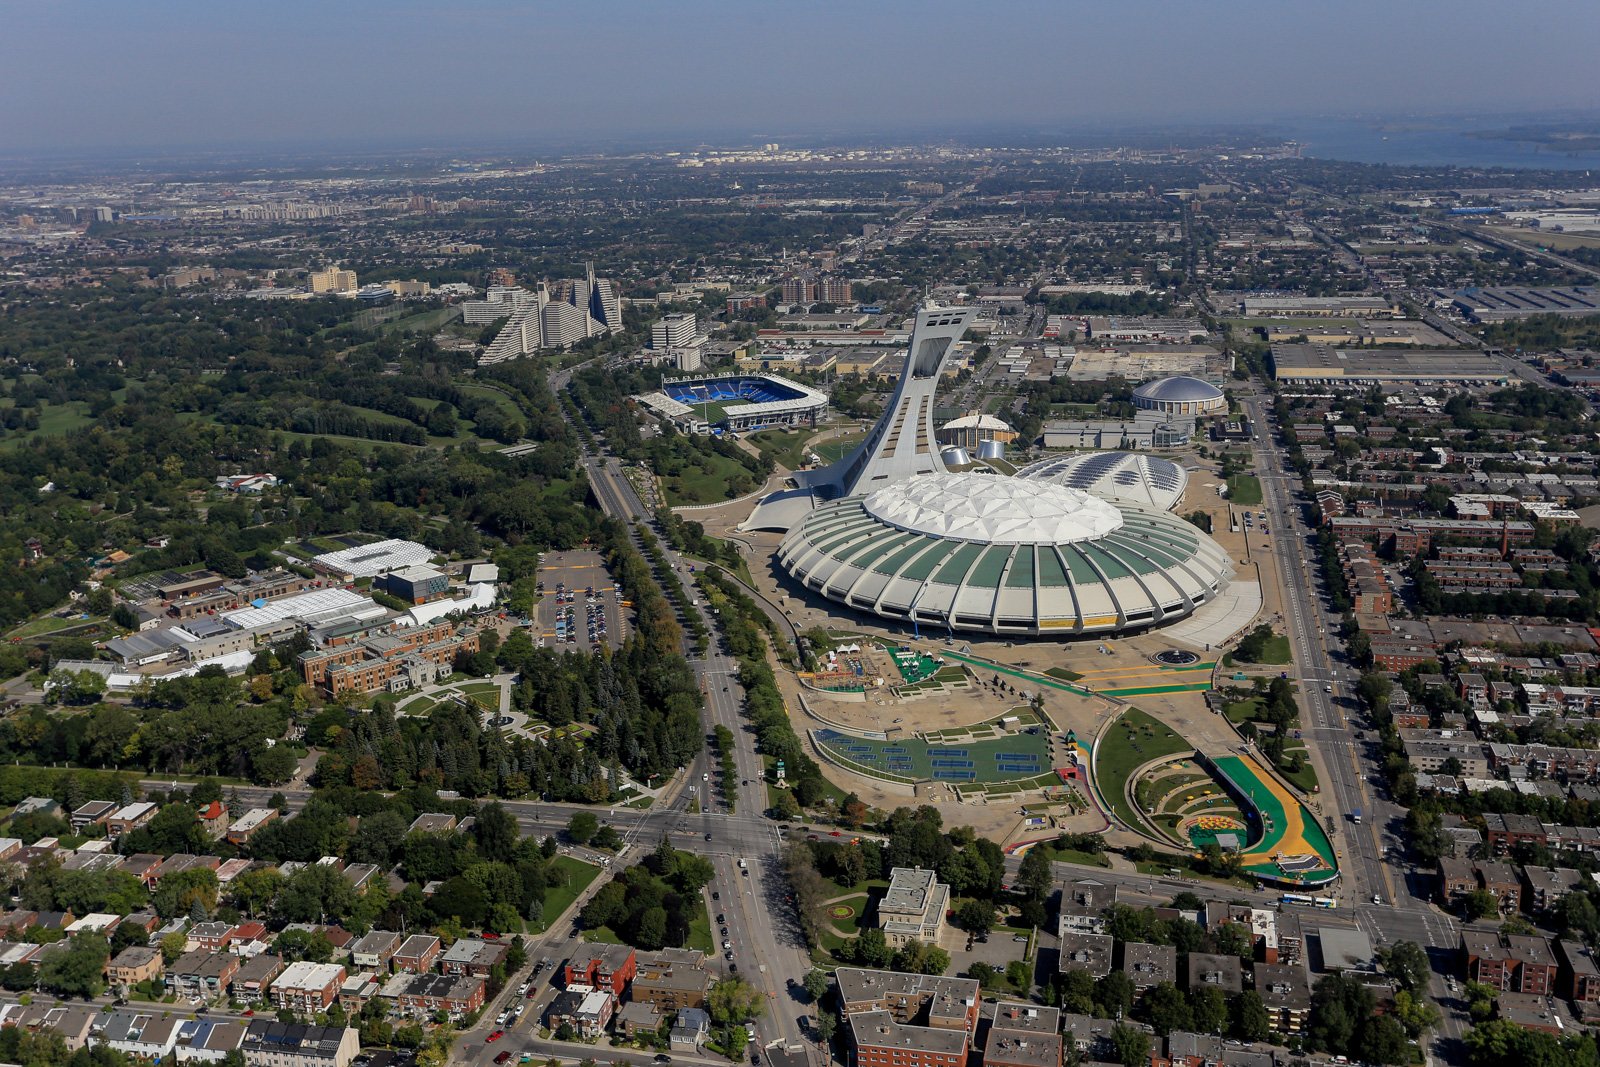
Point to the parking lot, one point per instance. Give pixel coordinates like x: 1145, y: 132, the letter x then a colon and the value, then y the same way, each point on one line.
x: 579, y: 608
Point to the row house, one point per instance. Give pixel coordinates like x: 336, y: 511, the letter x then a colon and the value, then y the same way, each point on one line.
x: 417, y: 954
x: 1560, y: 699
x: 306, y: 988
x: 129, y: 817
x: 374, y: 950
x: 609, y: 967
x: 1544, y: 887
x: 203, y: 974
x: 1500, y: 881
x: 420, y: 995
x: 1514, y: 963
x: 1578, y: 978
x: 269, y: 1043
x: 472, y: 956
x: 1549, y: 761
x: 255, y: 975
x: 587, y: 1011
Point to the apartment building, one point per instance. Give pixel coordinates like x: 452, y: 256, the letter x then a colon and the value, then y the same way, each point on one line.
x: 1023, y: 1035
x: 671, y: 980
x: 603, y: 967
x: 306, y: 988
x: 1287, y: 996
x: 1516, y: 963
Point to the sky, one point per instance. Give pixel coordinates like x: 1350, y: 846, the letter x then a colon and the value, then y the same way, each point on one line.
x: 82, y: 75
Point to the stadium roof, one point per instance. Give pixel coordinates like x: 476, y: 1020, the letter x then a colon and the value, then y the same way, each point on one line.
x: 368, y: 560
x: 1178, y: 387
x: 1132, y: 476
x: 1041, y: 559
x: 993, y: 510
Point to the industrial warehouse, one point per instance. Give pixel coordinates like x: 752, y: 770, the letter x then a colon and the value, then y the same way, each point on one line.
x: 1318, y: 364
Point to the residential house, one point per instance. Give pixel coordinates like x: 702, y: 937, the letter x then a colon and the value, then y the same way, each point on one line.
x: 208, y: 1040
x: 242, y: 829
x: 203, y: 974
x: 93, y: 813
x: 1090, y: 953
x: 1500, y: 880
x: 690, y: 1029
x: 213, y: 818
x: 1286, y: 994
x: 129, y: 818
x: 135, y: 964
x: 417, y: 954
x: 149, y: 1034
x: 671, y: 980
x: 306, y: 988
x: 1149, y: 965
x: 472, y: 956
x: 456, y: 995
x: 373, y: 951
x: 255, y: 974
x: 603, y: 967
x: 268, y: 1043
x: 1023, y: 1035
x: 1209, y: 969
x: 587, y: 1011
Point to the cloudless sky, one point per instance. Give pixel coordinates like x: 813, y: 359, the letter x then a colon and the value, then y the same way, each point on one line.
x: 155, y: 73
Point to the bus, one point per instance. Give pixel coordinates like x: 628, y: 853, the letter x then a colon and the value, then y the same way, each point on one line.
x: 1297, y: 898
x: 1327, y: 902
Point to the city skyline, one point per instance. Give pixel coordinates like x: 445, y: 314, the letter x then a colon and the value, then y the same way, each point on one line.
x: 183, y: 74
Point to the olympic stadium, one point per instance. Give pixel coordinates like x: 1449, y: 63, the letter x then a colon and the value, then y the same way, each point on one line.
x: 1005, y: 556
x: 1080, y: 545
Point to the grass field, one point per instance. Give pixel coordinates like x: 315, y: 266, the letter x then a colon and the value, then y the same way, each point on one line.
x: 786, y: 447
x: 47, y: 625
x: 577, y: 875
x: 1556, y: 242
x: 1132, y: 741
x: 54, y: 420
x: 704, y: 483
x: 836, y: 449
x: 430, y: 321
x: 1244, y: 490
x: 958, y: 762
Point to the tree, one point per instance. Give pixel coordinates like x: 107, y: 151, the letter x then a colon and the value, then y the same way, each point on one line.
x: 1034, y: 877
x: 1020, y: 975
x: 582, y: 826
x: 1209, y: 1010
x: 1250, y: 1019
x: 1130, y: 1046
x: 1406, y: 963
x: 1113, y: 996
x: 79, y: 970
x: 827, y: 1025
x: 816, y: 984
x: 732, y: 1001
x: 1415, y: 1012
x: 1165, y: 1009
x: 1481, y: 904
x: 872, y: 949
x: 975, y: 916
x: 173, y: 946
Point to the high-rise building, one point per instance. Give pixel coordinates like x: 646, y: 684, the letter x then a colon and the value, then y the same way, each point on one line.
x: 675, y: 331
x: 103, y: 214
x: 333, y: 280
x: 832, y: 290
x: 598, y: 297
x: 799, y: 289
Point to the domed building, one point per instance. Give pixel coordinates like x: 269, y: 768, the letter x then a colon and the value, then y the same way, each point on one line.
x: 1180, y: 395
x: 1133, y: 477
x: 974, y: 429
x: 1008, y: 556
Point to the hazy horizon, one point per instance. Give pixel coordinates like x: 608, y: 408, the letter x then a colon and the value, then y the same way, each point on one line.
x: 185, y: 75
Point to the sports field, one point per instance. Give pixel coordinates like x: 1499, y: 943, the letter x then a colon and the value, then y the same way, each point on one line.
x: 1010, y: 758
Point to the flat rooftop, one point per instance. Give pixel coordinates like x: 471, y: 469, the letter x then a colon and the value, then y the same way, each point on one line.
x: 1321, y: 362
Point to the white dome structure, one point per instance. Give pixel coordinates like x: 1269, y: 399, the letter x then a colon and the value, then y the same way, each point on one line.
x: 1009, y: 556
x: 1132, y: 477
x: 1180, y: 395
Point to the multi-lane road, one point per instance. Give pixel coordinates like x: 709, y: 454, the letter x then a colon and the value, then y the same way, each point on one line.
x: 1386, y: 898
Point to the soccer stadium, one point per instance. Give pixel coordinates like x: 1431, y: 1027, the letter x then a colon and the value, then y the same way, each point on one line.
x: 1136, y: 477
x: 739, y: 402
x: 1007, y: 556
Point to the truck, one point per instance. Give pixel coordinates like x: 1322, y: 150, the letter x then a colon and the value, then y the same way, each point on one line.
x: 1355, y: 816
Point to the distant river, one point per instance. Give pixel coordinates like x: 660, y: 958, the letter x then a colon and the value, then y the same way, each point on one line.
x: 1431, y: 145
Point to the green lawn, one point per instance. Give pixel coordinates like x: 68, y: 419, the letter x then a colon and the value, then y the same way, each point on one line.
x: 1244, y: 490
x: 706, y: 482
x: 47, y: 625
x: 1276, y: 649
x: 700, y: 934
x: 1074, y: 855
x: 1305, y: 779
x: 1244, y: 710
x: 54, y: 420
x: 786, y: 447
x: 1132, y: 741
x: 836, y: 449
x: 576, y: 876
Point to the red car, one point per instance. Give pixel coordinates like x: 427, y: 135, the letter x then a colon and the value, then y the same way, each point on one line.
x: 834, y: 833
x: 504, y: 1057
x: 497, y: 1035
x: 487, y: 936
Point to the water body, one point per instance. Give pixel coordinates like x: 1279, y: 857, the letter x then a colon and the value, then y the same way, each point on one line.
x: 1429, y: 144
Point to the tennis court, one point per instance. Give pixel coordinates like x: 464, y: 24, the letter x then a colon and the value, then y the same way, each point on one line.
x: 1012, y: 757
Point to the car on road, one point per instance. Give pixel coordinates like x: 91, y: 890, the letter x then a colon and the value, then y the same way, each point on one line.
x: 497, y: 1035
x: 733, y: 968
x: 721, y: 918
x: 728, y: 956
x: 727, y: 945
x: 504, y: 1057
x: 716, y: 896
x: 662, y: 1057
x: 708, y: 837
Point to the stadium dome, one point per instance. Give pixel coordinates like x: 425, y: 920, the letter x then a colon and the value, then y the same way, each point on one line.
x: 1010, y: 556
x: 1180, y: 395
x: 1135, y: 477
